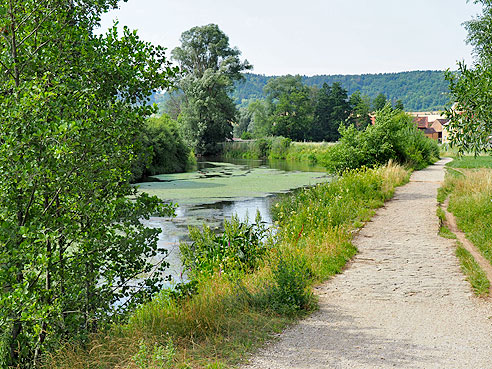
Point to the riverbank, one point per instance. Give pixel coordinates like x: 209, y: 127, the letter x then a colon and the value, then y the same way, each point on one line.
x: 227, y: 318
x: 278, y: 148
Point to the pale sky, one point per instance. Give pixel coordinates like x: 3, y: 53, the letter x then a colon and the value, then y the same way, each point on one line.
x: 311, y: 37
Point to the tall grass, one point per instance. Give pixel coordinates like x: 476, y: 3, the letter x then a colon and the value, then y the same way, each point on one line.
x: 470, y: 201
x: 227, y: 317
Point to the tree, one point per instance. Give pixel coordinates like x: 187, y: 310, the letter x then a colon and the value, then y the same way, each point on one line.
x: 292, y: 116
x: 399, y: 105
x: 332, y: 109
x: 470, y: 123
x: 244, y: 121
x: 290, y: 107
x: 379, y: 102
x: 260, y: 124
x: 210, y: 67
x: 361, y: 108
x: 71, y: 238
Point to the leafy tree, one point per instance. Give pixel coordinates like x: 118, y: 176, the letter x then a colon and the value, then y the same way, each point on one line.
x: 379, y: 102
x: 361, y: 108
x: 284, y: 85
x: 260, y: 124
x: 210, y: 67
x: 244, y: 122
x: 470, y: 123
x: 290, y: 107
x: 71, y: 238
x: 292, y: 116
x: 332, y: 109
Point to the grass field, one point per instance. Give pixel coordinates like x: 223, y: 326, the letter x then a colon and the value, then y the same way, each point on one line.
x: 472, y: 162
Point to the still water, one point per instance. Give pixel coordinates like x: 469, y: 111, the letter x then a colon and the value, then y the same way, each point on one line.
x: 218, y: 189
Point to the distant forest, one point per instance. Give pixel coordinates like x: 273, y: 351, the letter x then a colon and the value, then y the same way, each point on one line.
x: 418, y: 90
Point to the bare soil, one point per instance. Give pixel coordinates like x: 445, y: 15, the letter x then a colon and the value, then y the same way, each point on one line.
x: 402, y: 303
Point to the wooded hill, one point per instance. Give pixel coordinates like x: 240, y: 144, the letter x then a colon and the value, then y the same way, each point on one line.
x: 418, y: 90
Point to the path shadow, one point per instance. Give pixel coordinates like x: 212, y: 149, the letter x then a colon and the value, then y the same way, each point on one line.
x: 330, y: 338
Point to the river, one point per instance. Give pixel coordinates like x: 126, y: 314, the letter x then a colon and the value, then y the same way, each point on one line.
x: 218, y: 189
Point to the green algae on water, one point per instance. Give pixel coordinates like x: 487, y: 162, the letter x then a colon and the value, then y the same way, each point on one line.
x: 224, y: 181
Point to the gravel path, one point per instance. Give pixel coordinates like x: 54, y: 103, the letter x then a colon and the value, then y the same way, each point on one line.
x: 402, y: 303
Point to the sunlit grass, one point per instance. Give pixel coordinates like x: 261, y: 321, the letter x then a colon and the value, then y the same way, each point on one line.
x: 470, y: 200
x: 483, y: 161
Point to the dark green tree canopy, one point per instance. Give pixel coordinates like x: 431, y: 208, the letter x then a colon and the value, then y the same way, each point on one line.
x: 332, y: 109
x: 379, y: 102
x: 289, y: 105
x: 361, y: 108
x: 418, y: 90
x: 399, y: 105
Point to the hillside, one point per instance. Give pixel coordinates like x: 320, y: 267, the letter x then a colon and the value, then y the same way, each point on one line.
x: 418, y: 90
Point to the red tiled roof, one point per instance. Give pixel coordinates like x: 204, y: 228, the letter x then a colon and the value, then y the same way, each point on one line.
x: 422, y: 122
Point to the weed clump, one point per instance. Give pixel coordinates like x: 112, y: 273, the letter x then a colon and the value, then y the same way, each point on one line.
x: 239, y: 249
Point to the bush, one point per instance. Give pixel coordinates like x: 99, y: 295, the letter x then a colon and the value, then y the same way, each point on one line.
x: 246, y: 136
x: 279, y: 147
x: 161, y: 150
x: 394, y: 136
x: 261, y: 148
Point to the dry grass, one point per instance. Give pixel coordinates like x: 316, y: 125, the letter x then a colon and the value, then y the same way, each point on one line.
x: 393, y: 174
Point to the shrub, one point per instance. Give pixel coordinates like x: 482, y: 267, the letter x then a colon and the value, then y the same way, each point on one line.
x: 394, y: 136
x: 162, y: 150
x: 246, y: 135
x: 279, y: 147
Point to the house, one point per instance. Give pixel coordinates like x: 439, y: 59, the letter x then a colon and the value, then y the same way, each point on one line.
x: 432, y: 124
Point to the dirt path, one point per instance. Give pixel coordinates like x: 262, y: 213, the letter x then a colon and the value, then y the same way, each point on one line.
x: 402, y: 303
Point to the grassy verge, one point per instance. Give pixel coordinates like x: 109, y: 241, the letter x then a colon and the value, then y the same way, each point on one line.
x: 474, y: 274
x: 470, y: 193
x: 444, y: 231
x: 228, y: 317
